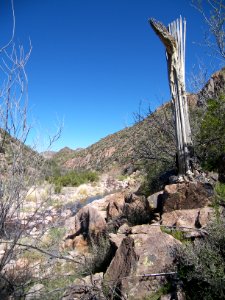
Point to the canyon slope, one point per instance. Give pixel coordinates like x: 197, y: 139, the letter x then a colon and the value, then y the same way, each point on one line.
x: 117, y: 151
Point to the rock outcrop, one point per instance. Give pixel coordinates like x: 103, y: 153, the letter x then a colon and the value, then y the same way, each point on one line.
x: 87, y: 224
x: 146, y: 250
x: 189, y: 218
x: 140, y: 254
x: 213, y: 88
x: 187, y: 195
x: 136, y: 209
x: 121, y: 266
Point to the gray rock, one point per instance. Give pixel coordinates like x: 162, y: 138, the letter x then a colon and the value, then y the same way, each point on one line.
x: 86, y: 288
x: 35, y: 292
x: 166, y: 297
x: 154, y: 199
x: 124, y: 229
x: 116, y: 239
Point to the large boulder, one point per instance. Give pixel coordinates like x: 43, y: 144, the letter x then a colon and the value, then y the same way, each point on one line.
x: 147, y: 250
x: 109, y: 206
x: 87, y: 224
x: 124, y: 261
x: 121, y: 266
x: 188, y: 195
x: 136, y: 209
x: 116, y: 239
x: 188, y: 218
x: 154, y: 200
x: 88, y: 221
x: 115, y: 206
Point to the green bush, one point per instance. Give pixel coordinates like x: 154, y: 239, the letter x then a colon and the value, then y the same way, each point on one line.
x: 201, y: 265
x: 165, y: 289
x: 55, y: 235
x: 58, y: 188
x: 73, y: 178
x: 220, y: 190
x: 100, y: 255
x: 52, y: 169
x: 58, y: 281
x: 211, y: 137
x: 219, y: 198
x: 157, y: 175
x: 177, y: 234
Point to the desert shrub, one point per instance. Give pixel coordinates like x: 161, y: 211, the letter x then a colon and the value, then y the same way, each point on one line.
x: 210, y: 144
x: 58, y: 188
x: 219, y: 197
x: 100, y: 256
x: 156, y: 176
x: 62, y: 275
x: 165, y: 289
x: 53, y: 237
x: 155, y: 149
x: 73, y: 178
x: 201, y: 265
x: 32, y: 255
x: 177, y: 234
x: 122, y: 177
x: 56, y: 234
x: 220, y: 190
x: 52, y: 169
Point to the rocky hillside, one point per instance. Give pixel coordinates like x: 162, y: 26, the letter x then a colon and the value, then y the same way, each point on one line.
x: 16, y: 156
x: 116, y: 151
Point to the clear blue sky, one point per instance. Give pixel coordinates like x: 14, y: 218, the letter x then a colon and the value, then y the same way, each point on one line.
x: 93, y: 61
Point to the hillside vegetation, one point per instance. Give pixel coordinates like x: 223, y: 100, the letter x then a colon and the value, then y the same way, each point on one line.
x: 150, y: 141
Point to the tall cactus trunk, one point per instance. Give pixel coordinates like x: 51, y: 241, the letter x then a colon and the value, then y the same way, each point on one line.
x: 174, y: 40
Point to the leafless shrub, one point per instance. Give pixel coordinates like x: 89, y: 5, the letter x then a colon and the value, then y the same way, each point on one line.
x: 213, y: 12
x: 154, y: 145
x: 21, y: 169
x: 157, y: 141
x: 197, y: 78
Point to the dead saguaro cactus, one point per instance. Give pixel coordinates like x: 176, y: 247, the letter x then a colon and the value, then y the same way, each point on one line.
x: 173, y: 39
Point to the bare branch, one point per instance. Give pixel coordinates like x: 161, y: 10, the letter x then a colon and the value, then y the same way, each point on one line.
x: 13, y: 29
x: 215, y: 19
